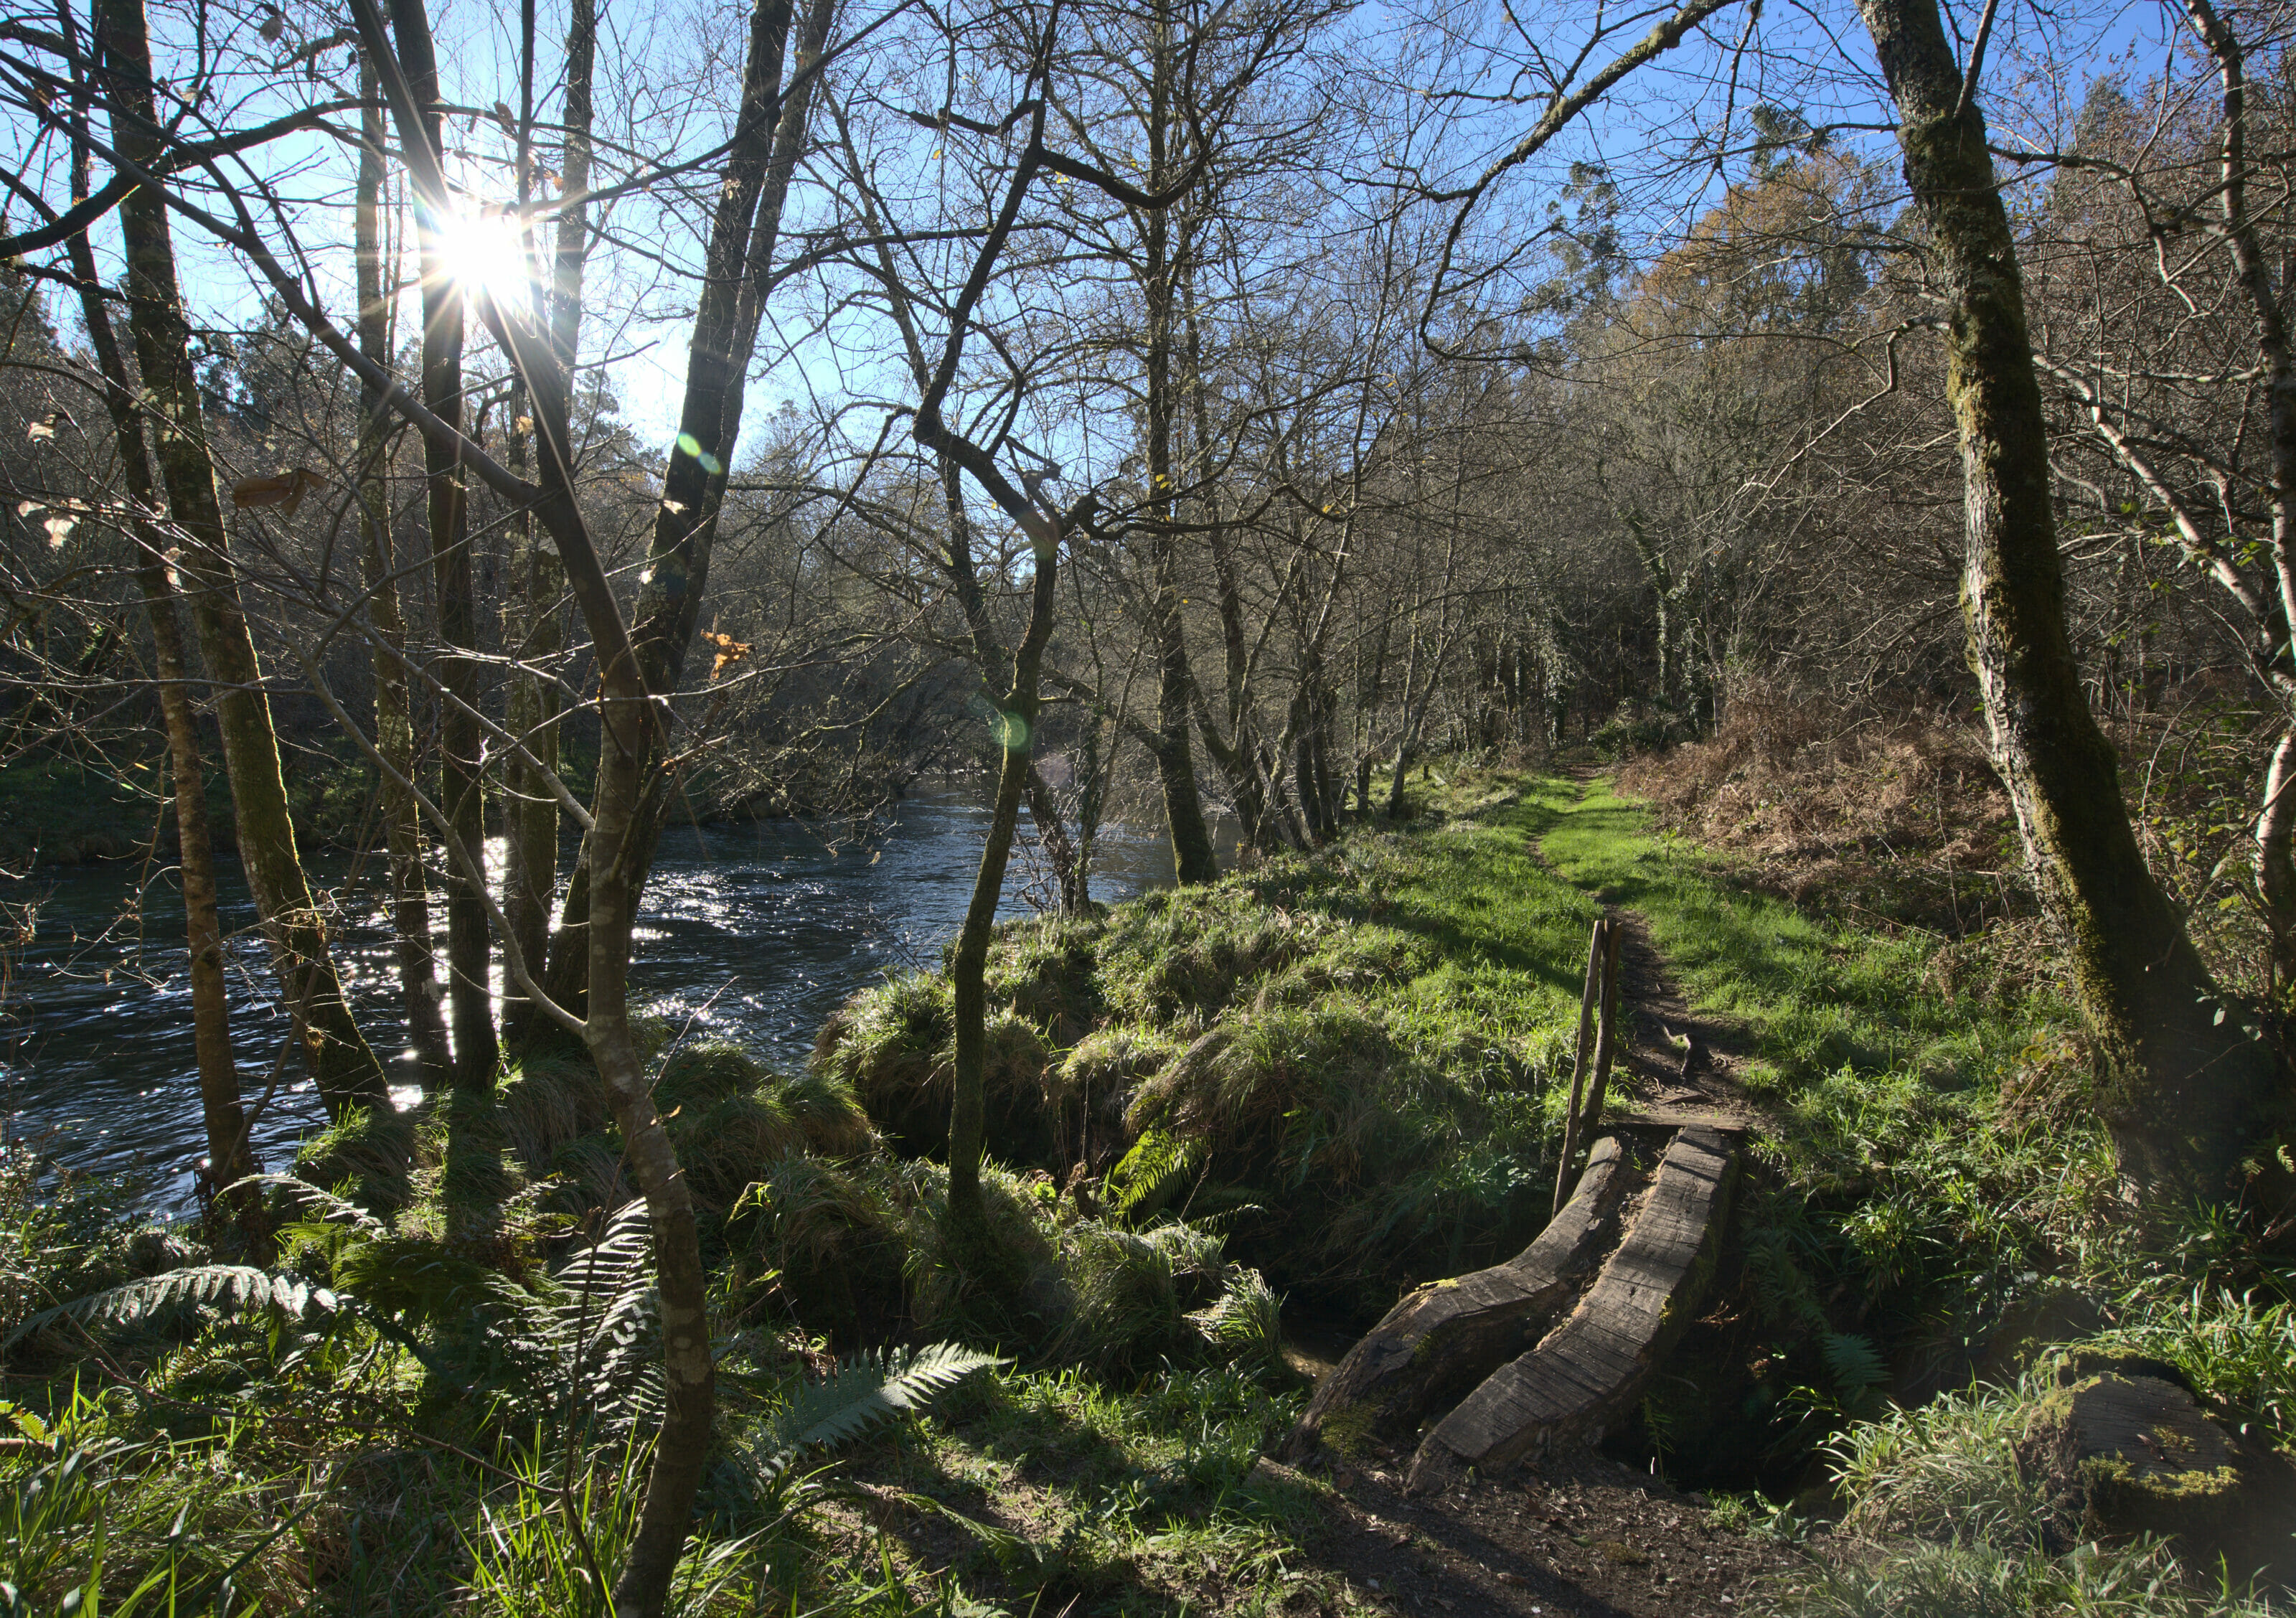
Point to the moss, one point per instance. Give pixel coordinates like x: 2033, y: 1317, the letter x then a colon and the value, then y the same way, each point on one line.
x: 1347, y: 1428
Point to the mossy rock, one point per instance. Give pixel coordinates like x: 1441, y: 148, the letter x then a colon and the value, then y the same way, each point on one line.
x: 730, y: 1115
x: 893, y: 1049
x: 1046, y: 970
x: 2123, y: 1452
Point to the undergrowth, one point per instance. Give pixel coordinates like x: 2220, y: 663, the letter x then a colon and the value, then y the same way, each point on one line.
x: 1332, y: 1075
x: 1360, y: 1053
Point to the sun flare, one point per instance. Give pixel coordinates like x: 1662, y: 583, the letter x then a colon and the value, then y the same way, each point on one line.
x: 481, y: 251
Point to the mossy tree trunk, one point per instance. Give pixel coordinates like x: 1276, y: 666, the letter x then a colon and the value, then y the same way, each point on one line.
x: 1240, y: 752
x: 462, y: 737
x: 2182, y: 1090
x: 531, y: 815
x: 231, y: 1155
x: 629, y: 725
x: 393, y: 708
x: 1015, y: 715
x: 341, y: 1062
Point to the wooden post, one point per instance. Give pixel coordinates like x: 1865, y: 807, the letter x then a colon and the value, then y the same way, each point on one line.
x: 1606, y: 1038
x: 1598, y: 952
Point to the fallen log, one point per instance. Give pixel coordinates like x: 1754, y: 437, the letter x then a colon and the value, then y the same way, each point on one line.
x: 1445, y: 1337
x: 1590, y: 1371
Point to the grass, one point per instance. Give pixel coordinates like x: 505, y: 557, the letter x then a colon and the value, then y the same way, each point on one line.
x: 1332, y: 1075
x: 1945, y: 1518
x: 1096, y: 1498
x: 1363, y: 1050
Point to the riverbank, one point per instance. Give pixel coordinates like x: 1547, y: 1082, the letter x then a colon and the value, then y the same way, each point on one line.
x: 1329, y: 1078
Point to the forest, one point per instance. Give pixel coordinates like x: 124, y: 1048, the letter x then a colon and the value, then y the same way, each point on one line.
x: 865, y: 807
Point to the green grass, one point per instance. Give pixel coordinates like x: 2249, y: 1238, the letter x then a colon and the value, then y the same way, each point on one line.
x: 1343, y: 1069
x: 1819, y: 997
x: 1367, y: 1049
x: 1103, y: 1500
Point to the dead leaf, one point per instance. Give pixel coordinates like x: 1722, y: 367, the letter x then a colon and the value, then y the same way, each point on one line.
x: 525, y: 423
x: 58, y: 527
x: 287, y: 489
x: 730, y: 652
x: 272, y: 26
x: 40, y: 430
x: 25, y: 508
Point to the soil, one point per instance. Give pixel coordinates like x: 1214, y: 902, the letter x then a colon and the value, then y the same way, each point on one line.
x: 1579, y: 1535
x: 1660, y: 1079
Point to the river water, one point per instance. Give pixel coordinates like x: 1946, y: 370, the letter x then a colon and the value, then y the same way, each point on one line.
x: 755, y: 932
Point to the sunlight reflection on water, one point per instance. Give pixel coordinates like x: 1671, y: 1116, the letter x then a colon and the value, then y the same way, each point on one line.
x: 750, y: 931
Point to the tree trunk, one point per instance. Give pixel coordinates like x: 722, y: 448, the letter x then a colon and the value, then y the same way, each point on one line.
x: 340, y: 1063
x: 1405, y: 730
x: 1045, y: 815
x: 394, y: 711
x: 1192, y: 858
x: 628, y: 721
x: 462, y: 738
x: 230, y: 1154
x: 683, y: 1446
x: 768, y: 138
x: 567, y: 954
x: 2276, y: 874
x: 2275, y: 860
x: 2183, y: 1093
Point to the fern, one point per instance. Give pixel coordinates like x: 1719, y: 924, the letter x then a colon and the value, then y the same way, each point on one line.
x: 1855, y: 1365
x: 1248, y: 1321
x: 865, y: 1392
x: 1146, y: 1177
x: 326, y: 1204
x: 598, y: 1330
x: 234, y: 1287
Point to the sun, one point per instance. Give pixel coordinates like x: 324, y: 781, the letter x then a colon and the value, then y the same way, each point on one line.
x: 480, y: 250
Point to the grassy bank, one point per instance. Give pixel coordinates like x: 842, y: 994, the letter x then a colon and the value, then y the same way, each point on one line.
x: 1330, y: 1077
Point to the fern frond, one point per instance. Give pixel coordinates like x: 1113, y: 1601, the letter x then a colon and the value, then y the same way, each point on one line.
x: 232, y: 1287
x: 326, y: 1204
x: 600, y: 1328
x: 1146, y: 1177
x: 1854, y: 1364
x: 617, y: 1260
x: 1248, y: 1321
x: 867, y: 1391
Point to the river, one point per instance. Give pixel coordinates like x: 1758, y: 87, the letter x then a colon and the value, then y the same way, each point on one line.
x: 754, y: 932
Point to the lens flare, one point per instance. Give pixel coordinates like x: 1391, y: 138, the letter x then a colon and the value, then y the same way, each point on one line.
x: 480, y: 250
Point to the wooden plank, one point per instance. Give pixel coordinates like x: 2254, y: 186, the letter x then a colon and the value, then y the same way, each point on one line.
x: 1588, y: 1370
x: 1722, y: 1123
x: 1445, y: 1338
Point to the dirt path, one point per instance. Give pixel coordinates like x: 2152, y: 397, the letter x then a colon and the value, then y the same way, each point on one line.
x: 1678, y: 1061
x: 1582, y: 1536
